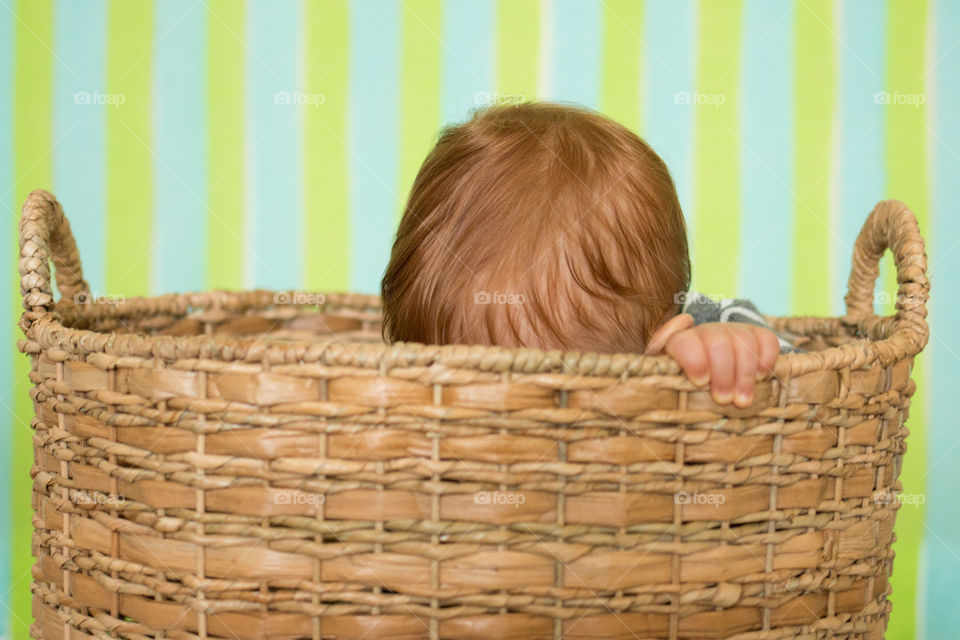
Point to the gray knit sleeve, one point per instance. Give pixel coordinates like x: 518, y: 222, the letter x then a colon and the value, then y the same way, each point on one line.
x: 706, y: 309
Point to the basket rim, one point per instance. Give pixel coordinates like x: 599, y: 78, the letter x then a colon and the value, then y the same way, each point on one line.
x: 45, y: 236
x: 50, y: 331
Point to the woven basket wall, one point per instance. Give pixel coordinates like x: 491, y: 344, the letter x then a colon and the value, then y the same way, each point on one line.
x: 259, y: 465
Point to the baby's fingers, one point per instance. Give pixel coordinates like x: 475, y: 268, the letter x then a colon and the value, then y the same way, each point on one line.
x: 769, y: 346
x: 719, y: 346
x: 746, y: 354
x: 688, y: 350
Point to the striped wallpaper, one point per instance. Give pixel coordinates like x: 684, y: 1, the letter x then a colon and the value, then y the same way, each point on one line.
x: 204, y: 144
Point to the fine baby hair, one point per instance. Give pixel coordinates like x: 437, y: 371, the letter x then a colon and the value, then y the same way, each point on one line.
x: 573, y: 222
x: 568, y: 214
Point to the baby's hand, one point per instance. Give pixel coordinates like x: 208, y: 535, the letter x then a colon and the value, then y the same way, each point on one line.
x: 731, y: 356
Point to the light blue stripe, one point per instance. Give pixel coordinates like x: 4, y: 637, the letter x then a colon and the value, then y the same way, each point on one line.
x: 942, y: 545
x: 79, y: 127
x: 7, y: 311
x: 274, y: 242
x: 863, y: 176
x: 468, y: 56
x: 180, y: 147
x: 766, y: 154
x: 669, y: 61
x: 373, y: 138
x: 576, y: 51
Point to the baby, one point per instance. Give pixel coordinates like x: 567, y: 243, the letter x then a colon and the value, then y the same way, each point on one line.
x: 573, y: 223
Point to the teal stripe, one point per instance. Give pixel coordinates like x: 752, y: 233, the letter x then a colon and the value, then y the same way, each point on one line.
x: 766, y: 154
x: 180, y: 147
x: 942, y: 544
x: 274, y: 238
x: 468, y: 60
x: 863, y: 176
x: 373, y: 138
x: 576, y: 49
x: 7, y: 287
x: 79, y: 127
x: 669, y: 67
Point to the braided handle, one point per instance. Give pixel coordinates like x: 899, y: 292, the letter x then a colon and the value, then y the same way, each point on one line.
x: 45, y: 233
x: 890, y: 225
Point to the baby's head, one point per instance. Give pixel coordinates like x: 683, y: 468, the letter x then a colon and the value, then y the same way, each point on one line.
x: 538, y: 225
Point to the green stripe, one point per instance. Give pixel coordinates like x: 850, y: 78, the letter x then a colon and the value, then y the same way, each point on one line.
x: 225, y: 73
x: 518, y: 48
x: 129, y: 159
x: 906, y: 158
x: 422, y: 25
x: 326, y: 205
x: 620, y: 82
x: 814, y: 78
x: 716, y: 239
x: 33, y: 169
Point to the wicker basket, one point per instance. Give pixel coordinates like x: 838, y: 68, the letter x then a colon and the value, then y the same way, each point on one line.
x: 260, y: 465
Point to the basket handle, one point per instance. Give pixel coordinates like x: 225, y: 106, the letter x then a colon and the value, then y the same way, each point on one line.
x: 45, y: 234
x: 890, y: 225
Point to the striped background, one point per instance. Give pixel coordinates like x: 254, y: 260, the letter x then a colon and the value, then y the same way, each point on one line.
x: 203, y: 177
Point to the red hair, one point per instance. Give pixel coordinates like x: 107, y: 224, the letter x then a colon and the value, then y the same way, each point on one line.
x: 537, y: 225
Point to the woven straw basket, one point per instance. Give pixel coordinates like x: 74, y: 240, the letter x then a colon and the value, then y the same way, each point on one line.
x: 260, y: 465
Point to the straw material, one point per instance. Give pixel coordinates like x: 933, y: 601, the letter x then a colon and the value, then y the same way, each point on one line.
x: 259, y: 465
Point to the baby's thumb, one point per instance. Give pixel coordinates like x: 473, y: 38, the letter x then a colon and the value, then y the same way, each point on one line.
x: 658, y: 341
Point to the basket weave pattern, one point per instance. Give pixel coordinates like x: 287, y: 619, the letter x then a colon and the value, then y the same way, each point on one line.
x: 229, y: 465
